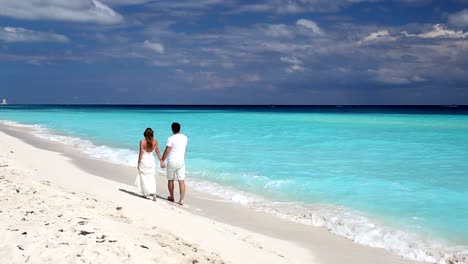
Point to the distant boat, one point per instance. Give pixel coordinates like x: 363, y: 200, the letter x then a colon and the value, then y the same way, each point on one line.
x: 4, y: 102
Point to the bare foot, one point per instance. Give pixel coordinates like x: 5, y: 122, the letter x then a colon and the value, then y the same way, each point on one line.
x: 181, y: 202
x: 154, y: 198
x: 170, y: 199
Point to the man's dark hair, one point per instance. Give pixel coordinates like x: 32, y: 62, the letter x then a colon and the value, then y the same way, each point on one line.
x: 175, y: 127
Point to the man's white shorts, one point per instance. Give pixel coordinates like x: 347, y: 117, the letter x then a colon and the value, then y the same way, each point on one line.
x: 175, y: 171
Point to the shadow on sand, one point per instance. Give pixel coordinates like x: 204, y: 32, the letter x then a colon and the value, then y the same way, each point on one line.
x: 140, y: 195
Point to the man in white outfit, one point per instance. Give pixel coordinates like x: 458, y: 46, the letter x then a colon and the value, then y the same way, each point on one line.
x: 175, y: 154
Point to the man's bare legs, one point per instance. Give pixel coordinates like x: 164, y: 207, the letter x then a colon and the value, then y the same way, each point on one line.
x: 182, y: 191
x: 170, y: 186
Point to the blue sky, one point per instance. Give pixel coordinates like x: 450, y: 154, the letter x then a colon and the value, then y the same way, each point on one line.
x: 234, y: 52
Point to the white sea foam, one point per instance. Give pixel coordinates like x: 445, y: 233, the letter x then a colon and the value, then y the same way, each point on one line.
x: 275, y: 184
x: 341, y: 221
x: 227, y: 193
x: 360, y: 229
x: 15, y: 124
x: 101, y: 152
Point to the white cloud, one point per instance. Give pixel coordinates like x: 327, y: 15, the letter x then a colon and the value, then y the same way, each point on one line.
x: 183, y: 61
x: 228, y: 65
x: 295, y: 68
x: 171, y: 4
x: 161, y: 63
x: 125, y: 2
x: 158, y: 47
x: 417, y: 78
x: 459, y: 19
x: 174, y: 8
x: 396, y: 76
x: 18, y: 34
x: 252, y: 8
x: 64, y: 10
x: 279, y: 30
x: 439, y: 32
x: 290, y: 60
x: 310, y: 25
x: 290, y: 8
x: 282, y: 47
x: 415, y: 2
x: 251, y: 78
x: 277, y: 6
x: 298, y: 6
x: 212, y: 81
x: 378, y: 36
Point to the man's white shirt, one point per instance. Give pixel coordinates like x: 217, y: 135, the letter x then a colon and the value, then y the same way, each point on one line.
x: 178, y: 144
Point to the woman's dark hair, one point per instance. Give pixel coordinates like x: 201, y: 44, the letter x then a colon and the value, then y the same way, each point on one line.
x: 175, y: 127
x: 149, y: 135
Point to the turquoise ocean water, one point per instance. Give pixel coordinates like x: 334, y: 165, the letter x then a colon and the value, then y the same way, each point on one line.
x: 384, y: 177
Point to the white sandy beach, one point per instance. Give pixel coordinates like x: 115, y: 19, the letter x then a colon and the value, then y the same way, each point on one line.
x: 52, y: 211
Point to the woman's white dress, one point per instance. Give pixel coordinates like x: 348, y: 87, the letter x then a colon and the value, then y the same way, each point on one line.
x: 146, y: 178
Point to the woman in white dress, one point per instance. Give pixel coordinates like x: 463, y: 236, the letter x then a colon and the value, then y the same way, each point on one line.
x: 146, y: 178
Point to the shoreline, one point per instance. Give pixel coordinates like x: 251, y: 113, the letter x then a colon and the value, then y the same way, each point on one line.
x: 316, y: 240
x: 45, y: 223
x: 203, y: 234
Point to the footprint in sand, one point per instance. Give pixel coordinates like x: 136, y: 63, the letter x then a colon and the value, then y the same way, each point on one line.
x: 85, y: 233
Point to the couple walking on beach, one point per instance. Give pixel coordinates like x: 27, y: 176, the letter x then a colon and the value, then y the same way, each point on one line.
x: 175, y: 169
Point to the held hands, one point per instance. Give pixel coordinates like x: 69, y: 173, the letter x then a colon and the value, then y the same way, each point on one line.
x: 162, y: 164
